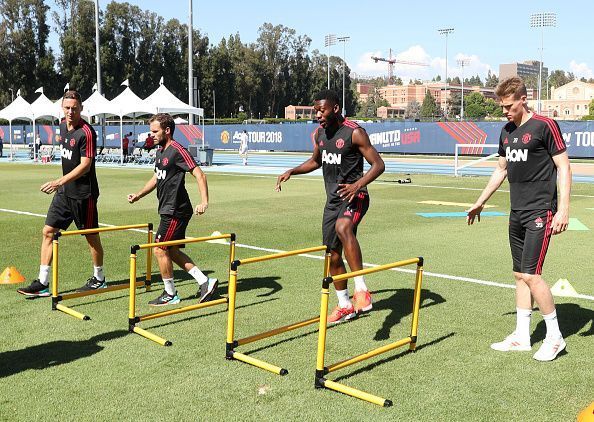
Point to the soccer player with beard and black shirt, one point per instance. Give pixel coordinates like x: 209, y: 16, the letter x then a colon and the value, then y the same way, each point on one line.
x: 75, y: 198
x: 171, y: 164
x: 533, y: 157
x: 340, y: 147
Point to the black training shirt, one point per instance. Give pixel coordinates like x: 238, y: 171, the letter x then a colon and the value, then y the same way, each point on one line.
x: 80, y: 142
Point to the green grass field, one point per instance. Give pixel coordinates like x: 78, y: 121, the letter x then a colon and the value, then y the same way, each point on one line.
x: 53, y: 366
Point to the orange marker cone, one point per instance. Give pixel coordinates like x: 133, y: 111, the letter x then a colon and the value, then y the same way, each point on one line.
x: 587, y: 415
x: 11, y: 275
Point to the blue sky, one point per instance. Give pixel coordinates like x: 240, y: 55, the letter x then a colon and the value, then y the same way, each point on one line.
x: 485, y: 33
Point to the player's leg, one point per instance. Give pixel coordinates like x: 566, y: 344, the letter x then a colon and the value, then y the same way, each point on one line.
x: 206, y: 285
x: 86, y: 217
x: 58, y: 218
x: 164, y: 233
x: 519, y: 339
x: 346, y: 228
x: 538, y: 235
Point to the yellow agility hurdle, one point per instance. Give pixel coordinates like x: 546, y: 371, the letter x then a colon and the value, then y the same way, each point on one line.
x: 231, y: 343
x: 321, y: 370
x: 134, y: 319
x: 58, y: 297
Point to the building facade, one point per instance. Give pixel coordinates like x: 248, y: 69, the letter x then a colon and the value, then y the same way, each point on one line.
x: 527, y: 68
x: 568, y: 102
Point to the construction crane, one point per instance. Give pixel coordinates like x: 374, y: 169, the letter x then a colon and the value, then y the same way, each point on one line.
x: 392, y: 61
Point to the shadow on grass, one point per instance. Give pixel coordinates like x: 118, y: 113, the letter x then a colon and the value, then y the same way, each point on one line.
x: 400, y: 305
x: 54, y: 353
x: 255, y: 283
x: 394, y: 357
x: 572, y: 319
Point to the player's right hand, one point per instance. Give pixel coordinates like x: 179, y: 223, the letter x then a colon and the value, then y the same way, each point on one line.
x: 474, y: 212
x: 132, y: 197
x: 282, y: 178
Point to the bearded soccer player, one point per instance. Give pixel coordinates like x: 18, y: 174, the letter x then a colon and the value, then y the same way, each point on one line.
x: 340, y: 147
x: 171, y: 164
x: 533, y: 157
x: 75, y: 198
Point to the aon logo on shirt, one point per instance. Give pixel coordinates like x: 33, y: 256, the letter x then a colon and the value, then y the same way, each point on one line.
x: 65, y: 153
x: 515, y: 155
x: 331, y: 158
x: 161, y: 174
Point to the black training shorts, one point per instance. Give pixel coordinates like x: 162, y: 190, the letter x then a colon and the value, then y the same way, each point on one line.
x: 171, y: 228
x: 64, y: 210
x: 529, y: 236
x: 354, y: 210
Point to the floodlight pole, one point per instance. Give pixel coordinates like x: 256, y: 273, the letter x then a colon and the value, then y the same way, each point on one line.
x: 343, y: 40
x: 462, y: 63
x: 446, y: 32
x: 11, y: 95
x: 540, y: 20
x: 329, y: 40
x: 190, y: 63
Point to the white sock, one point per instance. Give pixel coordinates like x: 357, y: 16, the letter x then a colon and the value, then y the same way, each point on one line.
x: 523, y: 323
x: 343, y: 298
x: 360, y: 283
x: 44, y: 274
x: 98, y: 273
x: 198, y: 275
x: 169, y: 286
x: 552, y: 325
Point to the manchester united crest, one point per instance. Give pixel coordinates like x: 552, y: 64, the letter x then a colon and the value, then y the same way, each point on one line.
x: 340, y: 143
x: 72, y: 142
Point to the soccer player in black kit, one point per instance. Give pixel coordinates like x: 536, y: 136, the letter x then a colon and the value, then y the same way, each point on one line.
x: 171, y: 164
x: 533, y: 157
x: 75, y: 198
x: 340, y: 146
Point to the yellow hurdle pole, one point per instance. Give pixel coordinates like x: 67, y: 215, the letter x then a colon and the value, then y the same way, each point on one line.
x: 149, y: 260
x: 353, y: 392
x: 368, y: 355
x: 65, y: 296
x: 230, y: 344
x: 320, y: 370
x: 416, y: 305
x: 104, y: 229
x: 132, y: 304
x: 181, y: 310
x: 152, y: 336
x: 72, y: 312
x: 55, y: 256
x: 231, y: 250
x: 276, y: 331
x: 259, y: 363
x: 282, y: 255
x: 327, y: 263
x: 375, y: 269
x: 183, y: 241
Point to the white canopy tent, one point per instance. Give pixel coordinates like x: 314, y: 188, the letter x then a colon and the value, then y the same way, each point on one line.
x: 165, y: 102
x: 42, y: 107
x: 128, y: 104
x: 18, y: 109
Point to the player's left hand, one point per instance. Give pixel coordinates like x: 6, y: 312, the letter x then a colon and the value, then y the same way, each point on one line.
x: 201, y: 208
x: 50, y: 187
x: 560, y: 222
x: 347, y: 191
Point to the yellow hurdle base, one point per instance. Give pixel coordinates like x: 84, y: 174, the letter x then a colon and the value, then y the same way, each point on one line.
x: 259, y: 363
x: 152, y: 336
x: 72, y: 312
x: 353, y: 392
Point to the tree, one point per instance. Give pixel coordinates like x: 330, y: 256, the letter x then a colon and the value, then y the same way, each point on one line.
x: 492, y: 108
x: 492, y: 80
x: 591, y: 108
x: 413, y: 110
x: 429, y: 107
x: 474, y: 106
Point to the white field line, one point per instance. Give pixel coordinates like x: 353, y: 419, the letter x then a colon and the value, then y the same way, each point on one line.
x: 365, y: 264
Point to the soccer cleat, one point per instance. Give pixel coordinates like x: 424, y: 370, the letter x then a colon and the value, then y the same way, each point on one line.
x: 512, y: 343
x: 362, y: 299
x: 35, y: 289
x: 207, y: 290
x: 92, y: 284
x: 549, y: 349
x: 339, y: 315
x: 165, y: 299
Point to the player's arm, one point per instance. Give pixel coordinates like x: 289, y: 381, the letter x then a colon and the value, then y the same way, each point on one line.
x: 312, y: 163
x: 561, y: 218
x: 79, y: 171
x: 148, y: 188
x: 361, y: 141
x: 495, y: 181
x: 203, y: 188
